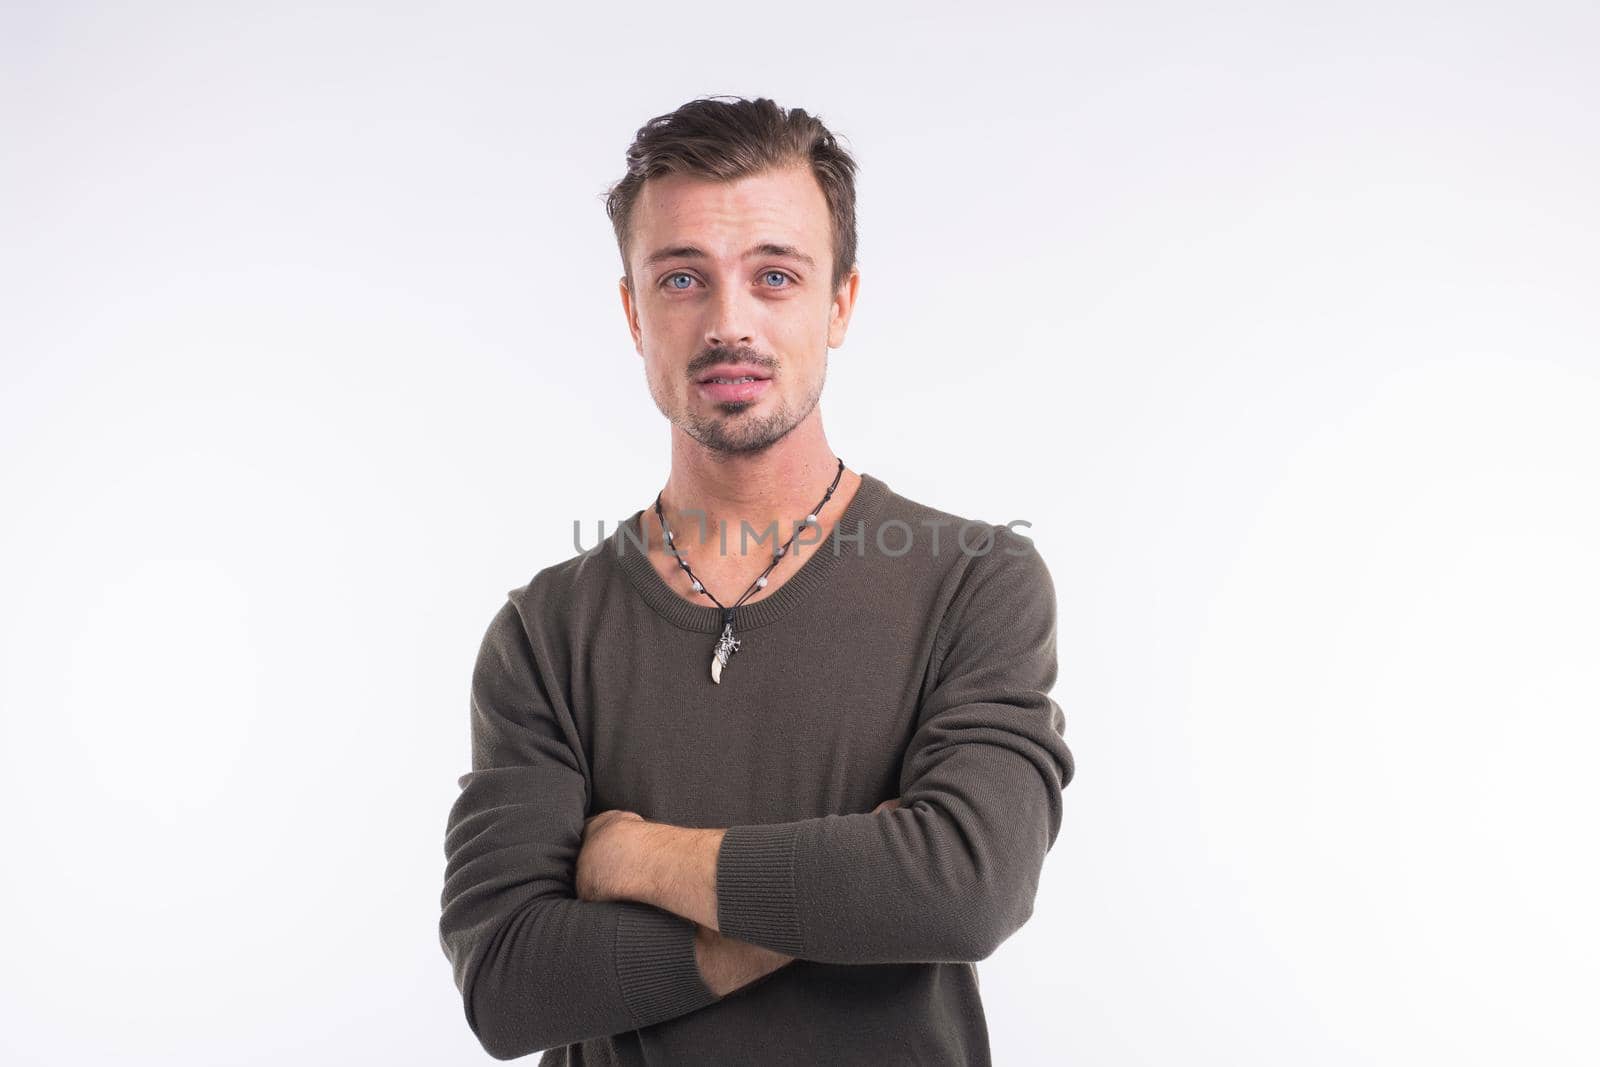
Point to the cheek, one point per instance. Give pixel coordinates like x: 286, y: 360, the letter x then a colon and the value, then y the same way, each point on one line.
x: 673, y: 330
x: 805, y: 331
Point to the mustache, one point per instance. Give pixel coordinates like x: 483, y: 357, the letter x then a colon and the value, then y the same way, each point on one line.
x: 730, y: 354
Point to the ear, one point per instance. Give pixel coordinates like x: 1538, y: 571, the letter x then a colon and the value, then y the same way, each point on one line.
x: 844, y: 303
x: 630, y: 312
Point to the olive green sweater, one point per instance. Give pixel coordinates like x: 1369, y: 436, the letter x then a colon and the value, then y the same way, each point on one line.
x: 911, y: 655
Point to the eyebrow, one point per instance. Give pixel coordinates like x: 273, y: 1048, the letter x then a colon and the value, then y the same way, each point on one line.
x: 768, y: 248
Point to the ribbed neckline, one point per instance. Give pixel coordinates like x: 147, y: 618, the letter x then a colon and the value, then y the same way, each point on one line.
x: 820, y: 561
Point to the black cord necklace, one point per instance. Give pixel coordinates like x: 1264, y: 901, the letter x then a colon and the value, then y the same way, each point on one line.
x: 727, y: 644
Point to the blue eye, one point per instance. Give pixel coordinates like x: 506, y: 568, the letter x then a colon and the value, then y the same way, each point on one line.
x: 670, y: 277
x: 776, y: 274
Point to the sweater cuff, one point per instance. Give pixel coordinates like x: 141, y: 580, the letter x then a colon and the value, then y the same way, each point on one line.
x: 656, y: 965
x: 756, y: 886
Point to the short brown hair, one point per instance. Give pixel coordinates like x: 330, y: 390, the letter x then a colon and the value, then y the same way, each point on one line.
x: 729, y: 137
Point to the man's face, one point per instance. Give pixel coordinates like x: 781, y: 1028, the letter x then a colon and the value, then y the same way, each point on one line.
x: 735, y: 273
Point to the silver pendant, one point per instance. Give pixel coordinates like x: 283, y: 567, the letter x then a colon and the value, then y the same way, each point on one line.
x: 727, y: 645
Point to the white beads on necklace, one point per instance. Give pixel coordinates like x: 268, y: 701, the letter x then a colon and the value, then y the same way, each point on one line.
x: 719, y: 659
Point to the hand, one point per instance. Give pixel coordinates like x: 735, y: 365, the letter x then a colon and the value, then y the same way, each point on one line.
x: 726, y: 963
x: 893, y: 802
x: 604, y: 859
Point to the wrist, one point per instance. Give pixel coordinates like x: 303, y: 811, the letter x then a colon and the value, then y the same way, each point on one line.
x: 669, y: 867
x: 633, y: 879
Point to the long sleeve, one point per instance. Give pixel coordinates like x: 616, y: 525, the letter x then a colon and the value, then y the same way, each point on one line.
x: 536, y: 967
x: 952, y: 872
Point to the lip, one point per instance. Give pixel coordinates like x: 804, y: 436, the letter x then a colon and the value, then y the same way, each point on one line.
x: 731, y: 392
x: 732, y: 370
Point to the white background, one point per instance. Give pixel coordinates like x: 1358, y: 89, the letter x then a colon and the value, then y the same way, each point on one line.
x: 1278, y: 322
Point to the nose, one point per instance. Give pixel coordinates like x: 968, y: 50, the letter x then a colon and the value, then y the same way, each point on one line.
x: 730, y: 319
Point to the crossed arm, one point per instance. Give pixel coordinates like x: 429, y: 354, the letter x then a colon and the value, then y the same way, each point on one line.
x: 546, y: 953
x: 627, y: 857
x: 674, y: 868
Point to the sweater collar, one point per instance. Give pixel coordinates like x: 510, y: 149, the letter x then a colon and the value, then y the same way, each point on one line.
x: 821, y: 561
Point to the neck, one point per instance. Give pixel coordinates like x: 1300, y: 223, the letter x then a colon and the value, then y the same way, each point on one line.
x: 708, y: 492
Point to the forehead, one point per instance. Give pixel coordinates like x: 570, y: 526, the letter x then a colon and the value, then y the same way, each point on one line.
x: 727, y: 217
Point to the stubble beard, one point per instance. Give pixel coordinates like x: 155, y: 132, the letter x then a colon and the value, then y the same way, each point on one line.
x: 734, y: 433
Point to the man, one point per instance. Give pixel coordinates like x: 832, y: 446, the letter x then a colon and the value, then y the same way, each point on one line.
x: 759, y: 777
